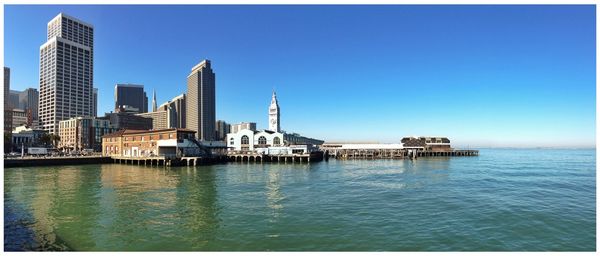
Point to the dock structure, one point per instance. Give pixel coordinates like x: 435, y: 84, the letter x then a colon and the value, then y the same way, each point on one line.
x: 168, y: 160
x: 411, y: 148
x: 254, y: 157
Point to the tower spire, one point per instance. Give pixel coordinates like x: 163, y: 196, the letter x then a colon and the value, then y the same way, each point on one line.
x: 153, y: 100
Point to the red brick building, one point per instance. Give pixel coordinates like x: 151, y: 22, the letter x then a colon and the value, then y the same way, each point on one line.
x: 147, y: 143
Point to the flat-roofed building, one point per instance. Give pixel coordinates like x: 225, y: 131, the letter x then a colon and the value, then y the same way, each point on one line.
x: 83, y: 133
x: 66, y: 71
x: 148, y: 143
x: 434, y: 144
x: 128, y: 121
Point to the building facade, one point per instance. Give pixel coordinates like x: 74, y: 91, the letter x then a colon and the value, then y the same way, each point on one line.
x: 24, y: 136
x: 274, y: 123
x: 432, y: 144
x: 83, y: 133
x: 66, y: 71
x: 95, y: 102
x: 161, y: 119
x: 19, y: 117
x: 177, y: 106
x: 250, y: 140
x: 165, y: 142
x: 132, y: 95
x: 7, y: 107
x: 223, y: 128
x: 243, y: 125
x: 201, y: 101
x: 128, y: 121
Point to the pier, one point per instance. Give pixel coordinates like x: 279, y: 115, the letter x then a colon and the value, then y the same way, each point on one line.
x: 390, y: 151
x: 168, y: 160
x: 253, y: 157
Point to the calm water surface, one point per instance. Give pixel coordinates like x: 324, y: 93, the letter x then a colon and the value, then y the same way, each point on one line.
x: 501, y: 200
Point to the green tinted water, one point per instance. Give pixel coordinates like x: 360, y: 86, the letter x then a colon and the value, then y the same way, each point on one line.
x: 502, y: 200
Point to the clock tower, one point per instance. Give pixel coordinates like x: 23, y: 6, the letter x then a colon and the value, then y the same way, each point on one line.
x: 274, y: 124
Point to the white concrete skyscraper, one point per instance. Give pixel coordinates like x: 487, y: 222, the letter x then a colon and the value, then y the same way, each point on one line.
x: 274, y: 124
x: 66, y: 71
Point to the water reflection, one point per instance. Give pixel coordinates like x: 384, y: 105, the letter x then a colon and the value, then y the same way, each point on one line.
x: 396, y: 174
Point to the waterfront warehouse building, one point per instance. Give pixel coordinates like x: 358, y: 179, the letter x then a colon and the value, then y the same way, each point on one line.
x: 432, y: 144
x: 201, y: 101
x: 143, y: 143
x: 66, y: 71
x: 132, y: 95
x: 83, y: 133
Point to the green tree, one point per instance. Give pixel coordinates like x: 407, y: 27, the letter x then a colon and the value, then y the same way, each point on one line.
x: 55, y: 139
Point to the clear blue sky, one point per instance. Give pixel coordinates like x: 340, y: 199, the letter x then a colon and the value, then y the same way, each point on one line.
x: 481, y: 75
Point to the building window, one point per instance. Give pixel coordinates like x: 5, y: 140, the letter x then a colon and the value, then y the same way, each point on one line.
x: 231, y: 141
x: 262, y: 140
x: 245, y: 140
x: 276, y: 141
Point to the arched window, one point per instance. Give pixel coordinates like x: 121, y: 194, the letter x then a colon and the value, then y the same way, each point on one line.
x: 245, y: 140
x: 262, y: 140
x: 231, y: 141
x: 276, y: 141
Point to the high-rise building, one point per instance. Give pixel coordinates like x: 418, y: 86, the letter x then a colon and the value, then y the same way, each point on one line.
x: 95, y: 102
x: 66, y: 71
x: 177, y: 106
x: 201, y: 101
x: 241, y: 126
x: 274, y: 124
x: 28, y: 100
x: 162, y: 118
x: 7, y: 107
x: 131, y: 95
x: 223, y: 129
x: 13, y: 99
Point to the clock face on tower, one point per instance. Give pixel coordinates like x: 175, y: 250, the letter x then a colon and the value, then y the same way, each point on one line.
x: 273, y: 121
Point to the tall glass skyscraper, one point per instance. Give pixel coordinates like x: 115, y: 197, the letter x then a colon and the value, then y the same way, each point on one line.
x: 201, y: 101
x: 66, y: 71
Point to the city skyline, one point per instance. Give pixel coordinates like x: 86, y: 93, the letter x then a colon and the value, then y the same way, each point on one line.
x: 500, y: 85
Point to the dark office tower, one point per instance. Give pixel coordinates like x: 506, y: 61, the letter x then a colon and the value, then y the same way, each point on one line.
x: 95, y: 103
x: 28, y: 100
x: 201, y: 101
x: 7, y: 107
x: 132, y: 95
x: 66, y: 71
